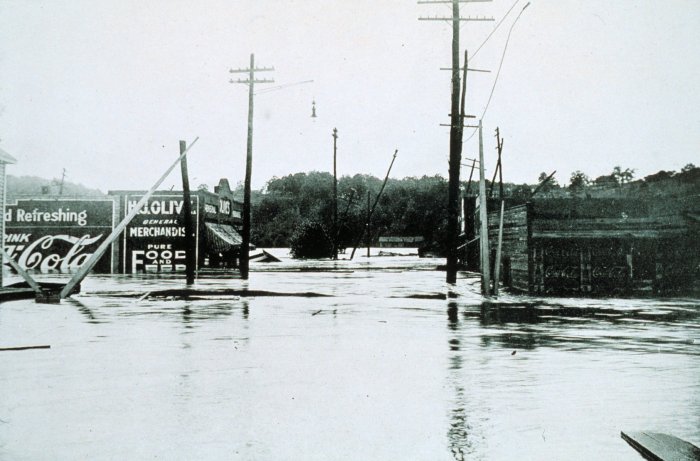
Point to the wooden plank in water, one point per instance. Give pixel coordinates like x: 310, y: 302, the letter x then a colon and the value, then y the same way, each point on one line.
x: 655, y: 446
x: 12, y: 294
x: 24, y: 348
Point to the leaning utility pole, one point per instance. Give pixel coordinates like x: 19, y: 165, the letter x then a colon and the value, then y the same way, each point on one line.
x: 456, y: 131
x: 376, y: 201
x: 250, y: 81
x: 335, y: 195
x: 87, y: 266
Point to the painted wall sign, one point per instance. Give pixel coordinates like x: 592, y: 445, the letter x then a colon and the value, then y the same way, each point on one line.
x: 568, y: 267
x: 225, y: 206
x: 155, y: 241
x: 58, y: 235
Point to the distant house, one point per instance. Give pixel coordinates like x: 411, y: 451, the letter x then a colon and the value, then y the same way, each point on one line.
x: 5, y: 159
x: 400, y: 242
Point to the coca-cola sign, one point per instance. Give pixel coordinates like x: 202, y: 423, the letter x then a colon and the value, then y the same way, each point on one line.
x: 58, y: 235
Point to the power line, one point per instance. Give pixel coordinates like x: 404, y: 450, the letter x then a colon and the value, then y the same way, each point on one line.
x: 495, y: 28
x: 500, y: 65
x: 281, y: 87
x: 457, y: 117
x: 251, y: 80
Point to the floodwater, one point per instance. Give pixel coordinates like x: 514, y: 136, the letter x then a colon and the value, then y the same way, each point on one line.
x: 392, y: 365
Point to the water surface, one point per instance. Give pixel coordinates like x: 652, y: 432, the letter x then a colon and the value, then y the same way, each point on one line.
x: 392, y: 364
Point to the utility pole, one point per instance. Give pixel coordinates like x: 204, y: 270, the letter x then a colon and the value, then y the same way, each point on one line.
x: 376, y: 201
x: 63, y: 178
x: 190, y: 243
x: 483, y: 217
x: 250, y: 81
x: 87, y: 266
x: 369, y: 220
x: 497, y: 171
x: 335, y: 195
x: 456, y: 131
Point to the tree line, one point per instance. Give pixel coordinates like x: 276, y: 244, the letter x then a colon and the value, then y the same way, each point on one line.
x: 407, y: 207
x: 300, y: 206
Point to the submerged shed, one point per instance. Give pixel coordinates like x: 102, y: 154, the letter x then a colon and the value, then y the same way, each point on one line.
x: 600, y: 246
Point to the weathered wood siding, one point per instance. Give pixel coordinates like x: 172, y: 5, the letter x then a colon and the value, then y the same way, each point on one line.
x: 2, y: 215
x: 609, y: 246
x: 599, y: 247
x: 514, y: 260
x: 603, y: 218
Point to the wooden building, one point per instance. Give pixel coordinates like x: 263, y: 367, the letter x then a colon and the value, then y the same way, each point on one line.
x: 588, y: 246
x: 5, y: 159
x: 59, y: 234
x: 155, y: 240
x: 400, y: 242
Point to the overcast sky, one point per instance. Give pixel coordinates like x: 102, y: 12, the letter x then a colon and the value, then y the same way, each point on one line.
x: 107, y: 88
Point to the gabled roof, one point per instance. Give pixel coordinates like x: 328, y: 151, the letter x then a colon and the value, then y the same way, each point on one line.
x: 6, y: 158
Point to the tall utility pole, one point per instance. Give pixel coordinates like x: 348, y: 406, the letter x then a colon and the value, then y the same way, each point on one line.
x: 456, y: 130
x: 250, y: 81
x: 483, y: 218
x: 335, y: 195
x: 369, y: 221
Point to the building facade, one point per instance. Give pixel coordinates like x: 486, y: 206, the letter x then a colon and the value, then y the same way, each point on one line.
x: 5, y: 159
x: 586, y: 247
x: 56, y: 234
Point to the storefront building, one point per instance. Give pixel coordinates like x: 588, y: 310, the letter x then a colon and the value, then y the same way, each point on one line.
x: 156, y: 241
x: 5, y: 159
x: 54, y: 234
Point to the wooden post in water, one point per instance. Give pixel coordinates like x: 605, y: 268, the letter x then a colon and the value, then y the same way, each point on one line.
x: 483, y: 217
x: 90, y: 263
x: 369, y: 217
x: 335, y: 195
x: 497, y: 268
x: 190, y: 244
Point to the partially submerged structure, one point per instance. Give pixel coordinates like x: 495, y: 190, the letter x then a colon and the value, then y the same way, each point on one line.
x: 400, y: 242
x: 5, y: 159
x: 59, y: 234
x: 597, y: 246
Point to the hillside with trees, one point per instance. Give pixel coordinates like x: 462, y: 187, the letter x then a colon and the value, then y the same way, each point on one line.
x: 408, y: 207
x: 32, y: 186
x: 289, y: 206
x: 292, y: 205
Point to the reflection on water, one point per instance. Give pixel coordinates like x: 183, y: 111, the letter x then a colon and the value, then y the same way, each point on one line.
x: 457, y: 433
x: 391, y: 364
